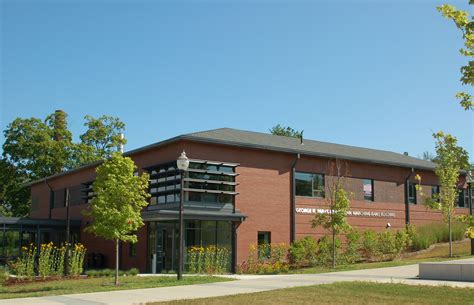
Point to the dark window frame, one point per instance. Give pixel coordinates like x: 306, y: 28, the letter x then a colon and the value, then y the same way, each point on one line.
x: 59, y: 198
x: 435, y: 191
x: 372, y: 190
x: 267, y: 237
x: 412, y: 187
x: 321, y: 192
x: 207, y: 178
x: 464, y: 194
x: 132, y: 250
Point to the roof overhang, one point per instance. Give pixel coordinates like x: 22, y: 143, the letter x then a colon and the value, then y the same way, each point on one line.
x: 163, y: 215
x: 38, y: 222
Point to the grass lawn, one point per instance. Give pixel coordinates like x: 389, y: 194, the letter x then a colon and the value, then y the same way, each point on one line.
x: 346, y: 293
x: 440, y: 252
x: 98, y: 284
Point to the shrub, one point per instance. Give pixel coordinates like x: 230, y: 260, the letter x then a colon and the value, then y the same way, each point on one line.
x: 352, y: 254
x: 384, y: 245
x: 133, y: 272
x: 369, y: 245
x: 402, y: 241
x: 3, y: 276
x: 210, y: 260
x: 92, y: 273
x: 325, y: 251
x: 303, y: 252
x: 266, y: 259
x: 390, y: 245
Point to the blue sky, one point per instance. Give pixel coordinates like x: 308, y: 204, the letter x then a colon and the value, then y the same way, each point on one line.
x: 366, y: 73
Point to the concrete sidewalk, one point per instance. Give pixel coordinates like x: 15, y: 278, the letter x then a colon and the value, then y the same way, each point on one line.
x: 243, y: 284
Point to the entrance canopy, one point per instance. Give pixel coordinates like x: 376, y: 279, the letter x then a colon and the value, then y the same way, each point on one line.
x: 162, y: 215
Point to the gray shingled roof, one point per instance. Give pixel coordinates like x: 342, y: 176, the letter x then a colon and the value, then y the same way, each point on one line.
x: 266, y: 141
x: 258, y: 140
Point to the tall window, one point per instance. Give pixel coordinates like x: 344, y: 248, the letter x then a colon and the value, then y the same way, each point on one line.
x: 463, y: 199
x: 132, y: 250
x: 368, y: 189
x: 264, y: 242
x: 59, y: 198
x: 411, y: 192
x: 435, y: 192
x: 310, y: 185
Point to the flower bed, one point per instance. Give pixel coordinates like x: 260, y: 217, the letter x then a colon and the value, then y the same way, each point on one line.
x: 49, y: 261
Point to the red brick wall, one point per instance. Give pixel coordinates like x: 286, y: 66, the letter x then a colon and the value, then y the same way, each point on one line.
x: 264, y: 195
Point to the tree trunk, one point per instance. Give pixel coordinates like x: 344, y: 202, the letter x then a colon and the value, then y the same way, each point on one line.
x: 450, y: 237
x: 117, y: 262
x: 333, y: 248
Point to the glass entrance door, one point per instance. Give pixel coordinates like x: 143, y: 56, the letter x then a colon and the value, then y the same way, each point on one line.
x: 165, y: 248
x: 160, y: 250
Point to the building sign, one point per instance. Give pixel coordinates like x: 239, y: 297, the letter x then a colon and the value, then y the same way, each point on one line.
x: 349, y: 213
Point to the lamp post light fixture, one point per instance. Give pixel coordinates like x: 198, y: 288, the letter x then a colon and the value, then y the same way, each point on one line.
x: 183, y: 164
x: 469, y: 194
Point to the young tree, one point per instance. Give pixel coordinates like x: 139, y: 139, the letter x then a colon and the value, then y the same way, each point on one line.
x: 287, y: 131
x: 464, y: 22
x: 450, y: 160
x: 339, y: 204
x: 102, y: 138
x: 120, y: 195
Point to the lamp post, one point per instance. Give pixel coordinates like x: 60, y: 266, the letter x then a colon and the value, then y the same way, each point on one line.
x: 469, y: 194
x: 182, y: 163
x: 68, y: 232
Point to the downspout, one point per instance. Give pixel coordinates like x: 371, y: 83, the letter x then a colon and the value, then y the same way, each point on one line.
x: 51, y: 197
x: 407, y: 203
x: 293, y: 201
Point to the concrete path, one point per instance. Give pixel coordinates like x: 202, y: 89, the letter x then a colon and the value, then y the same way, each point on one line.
x: 243, y: 284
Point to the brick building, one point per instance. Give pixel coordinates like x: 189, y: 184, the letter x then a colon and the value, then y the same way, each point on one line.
x: 244, y: 188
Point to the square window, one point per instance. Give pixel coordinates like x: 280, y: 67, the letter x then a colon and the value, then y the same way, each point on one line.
x: 309, y: 185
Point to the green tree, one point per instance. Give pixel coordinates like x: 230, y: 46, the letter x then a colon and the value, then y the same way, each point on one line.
x: 450, y: 160
x: 120, y: 195
x: 287, y: 131
x: 32, y: 149
x: 339, y: 204
x: 36, y: 148
x: 14, y: 196
x: 62, y: 140
x: 465, y: 23
x: 103, y: 137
